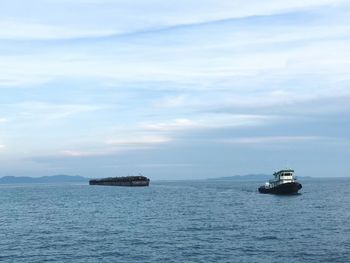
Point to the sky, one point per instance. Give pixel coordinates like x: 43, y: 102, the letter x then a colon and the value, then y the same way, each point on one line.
x: 174, y: 89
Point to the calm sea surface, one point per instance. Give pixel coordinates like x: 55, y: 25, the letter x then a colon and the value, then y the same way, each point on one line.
x: 203, y: 221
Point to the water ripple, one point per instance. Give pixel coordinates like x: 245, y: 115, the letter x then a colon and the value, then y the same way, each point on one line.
x: 174, y: 222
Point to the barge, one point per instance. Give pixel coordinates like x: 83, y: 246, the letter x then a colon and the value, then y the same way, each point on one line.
x: 283, y: 182
x: 122, y: 181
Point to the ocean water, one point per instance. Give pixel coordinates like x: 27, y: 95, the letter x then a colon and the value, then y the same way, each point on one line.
x: 203, y: 221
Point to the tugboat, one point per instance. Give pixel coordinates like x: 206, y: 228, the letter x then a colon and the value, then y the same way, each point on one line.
x: 284, y: 182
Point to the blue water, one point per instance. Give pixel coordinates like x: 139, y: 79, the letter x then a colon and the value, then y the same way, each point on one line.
x: 175, y: 222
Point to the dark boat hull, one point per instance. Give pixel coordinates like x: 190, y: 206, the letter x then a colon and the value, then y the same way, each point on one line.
x: 287, y: 188
x: 132, y: 183
x: 122, y: 181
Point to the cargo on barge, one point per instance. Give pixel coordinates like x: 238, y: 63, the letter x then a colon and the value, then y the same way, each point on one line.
x: 122, y: 181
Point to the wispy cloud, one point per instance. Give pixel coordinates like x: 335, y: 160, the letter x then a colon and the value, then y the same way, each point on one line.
x: 128, y: 77
x: 18, y: 30
x: 124, y: 143
x: 158, y: 14
x: 36, y: 110
x: 138, y: 140
x: 249, y: 64
x: 177, y: 124
x: 209, y: 121
x: 271, y: 139
x: 75, y: 153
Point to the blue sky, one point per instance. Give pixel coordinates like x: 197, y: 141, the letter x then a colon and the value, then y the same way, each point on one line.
x: 174, y: 89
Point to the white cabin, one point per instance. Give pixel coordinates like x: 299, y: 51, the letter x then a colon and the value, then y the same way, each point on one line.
x: 281, y: 177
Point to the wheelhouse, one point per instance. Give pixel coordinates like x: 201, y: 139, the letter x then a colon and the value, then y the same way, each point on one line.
x: 282, y: 177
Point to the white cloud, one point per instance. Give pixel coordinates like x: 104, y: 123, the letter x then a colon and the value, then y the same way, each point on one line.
x: 2, y: 120
x: 153, y: 134
x: 177, y: 124
x: 16, y: 30
x: 139, y: 140
x: 22, y: 80
x: 270, y: 139
x: 208, y: 121
x: 172, y: 66
x: 281, y: 98
x: 72, y: 153
x: 112, y: 18
x: 37, y: 110
x: 141, y: 63
x: 172, y: 101
x: 113, y: 146
x: 159, y: 14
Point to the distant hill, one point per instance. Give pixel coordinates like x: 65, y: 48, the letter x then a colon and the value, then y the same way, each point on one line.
x: 43, y: 179
x: 251, y: 177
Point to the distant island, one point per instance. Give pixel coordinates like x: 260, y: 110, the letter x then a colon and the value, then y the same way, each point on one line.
x: 251, y: 177
x: 43, y: 179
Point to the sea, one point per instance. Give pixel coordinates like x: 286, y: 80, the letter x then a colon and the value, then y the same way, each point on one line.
x: 180, y: 221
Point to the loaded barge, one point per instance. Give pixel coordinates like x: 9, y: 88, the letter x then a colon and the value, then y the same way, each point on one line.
x: 122, y: 181
x: 283, y: 182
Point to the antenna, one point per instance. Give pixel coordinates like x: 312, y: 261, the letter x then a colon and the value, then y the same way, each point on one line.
x: 286, y: 164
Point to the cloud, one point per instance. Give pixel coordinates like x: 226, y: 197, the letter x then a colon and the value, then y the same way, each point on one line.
x: 242, y: 61
x: 177, y: 124
x: 240, y: 53
x: 2, y: 120
x: 147, y: 135
x: 173, y: 101
x: 271, y: 139
x: 37, y: 110
x: 153, y: 134
x: 124, y: 77
x: 208, y: 121
x: 22, y: 80
x: 18, y: 30
x: 122, y: 144
x: 138, y: 140
x: 157, y: 13
x: 72, y: 153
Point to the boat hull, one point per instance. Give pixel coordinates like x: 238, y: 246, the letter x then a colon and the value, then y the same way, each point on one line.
x: 122, y: 181
x: 131, y: 183
x: 286, y: 188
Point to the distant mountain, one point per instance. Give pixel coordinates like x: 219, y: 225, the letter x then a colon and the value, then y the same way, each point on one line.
x: 251, y: 177
x: 43, y: 179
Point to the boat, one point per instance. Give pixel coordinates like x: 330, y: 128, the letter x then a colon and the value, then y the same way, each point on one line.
x: 283, y: 182
x: 122, y: 181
